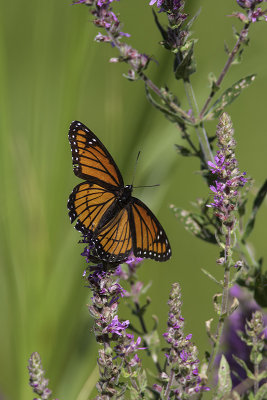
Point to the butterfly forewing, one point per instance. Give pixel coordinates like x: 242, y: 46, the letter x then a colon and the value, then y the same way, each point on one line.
x: 150, y: 239
x: 91, y: 160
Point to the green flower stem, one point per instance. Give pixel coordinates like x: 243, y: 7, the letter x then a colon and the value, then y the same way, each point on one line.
x: 245, y: 250
x: 144, y: 329
x: 256, y: 369
x: 256, y: 382
x: 186, y: 136
x: 225, y: 300
x: 240, y: 40
x: 132, y: 380
x: 202, y: 138
x: 168, y: 388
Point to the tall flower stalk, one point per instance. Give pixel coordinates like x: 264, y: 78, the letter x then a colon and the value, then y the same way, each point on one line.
x: 181, y: 379
x: 226, y: 190
x: 118, y: 357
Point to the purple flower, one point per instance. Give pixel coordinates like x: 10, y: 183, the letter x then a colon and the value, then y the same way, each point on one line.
x: 189, y: 337
x: 133, y: 261
x: 116, y: 326
x: 257, y: 14
x: 184, y: 355
x: 171, y: 5
x: 157, y: 388
x: 159, y: 3
x: 248, y: 3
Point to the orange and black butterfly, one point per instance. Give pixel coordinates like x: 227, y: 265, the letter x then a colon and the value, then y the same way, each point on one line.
x: 116, y: 223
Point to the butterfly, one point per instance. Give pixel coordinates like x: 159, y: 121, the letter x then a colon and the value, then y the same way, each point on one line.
x: 116, y: 223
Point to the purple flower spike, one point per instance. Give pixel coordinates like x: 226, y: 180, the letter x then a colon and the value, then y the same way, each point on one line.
x: 228, y: 178
x: 37, y: 380
x: 181, y: 356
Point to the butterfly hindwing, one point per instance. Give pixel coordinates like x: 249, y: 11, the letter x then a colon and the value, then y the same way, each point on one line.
x: 91, y: 160
x: 88, y: 203
x: 114, y: 241
x: 150, y: 238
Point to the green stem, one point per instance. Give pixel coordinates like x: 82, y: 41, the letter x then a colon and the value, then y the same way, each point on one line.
x: 240, y: 40
x: 169, y: 385
x: 256, y: 370
x: 225, y: 300
x: 202, y: 137
x: 144, y: 328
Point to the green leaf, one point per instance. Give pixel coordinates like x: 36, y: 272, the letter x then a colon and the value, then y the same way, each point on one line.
x: 192, y: 20
x: 224, y: 380
x: 256, y: 281
x: 210, y: 276
x: 238, y: 57
x: 168, y: 113
x: 244, y: 366
x: 153, y: 342
x: 261, y: 393
x: 142, y: 380
x: 184, y: 64
x: 183, y: 151
x: 235, y: 395
x: 262, y: 375
x: 212, y: 81
x: 256, y: 205
x: 217, y: 301
x: 228, y: 97
x: 163, y: 32
x: 195, y: 224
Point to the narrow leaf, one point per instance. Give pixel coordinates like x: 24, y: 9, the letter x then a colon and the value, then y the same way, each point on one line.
x: 256, y: 205
x: 153, y: 343
x: 195, y: 224
x: 210, y: 276
x: 244, y: 366
x: 168, y: 113
x: 262, y: 375
x: 228, y: 97
x: 186, y: 66
x: 183, y: 151
x: 192, y: 20
x: 163, y: 32
x: 262, y: 393
x: 224, y: 380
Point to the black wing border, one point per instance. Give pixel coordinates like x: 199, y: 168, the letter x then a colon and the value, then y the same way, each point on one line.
x: 148, y: 254
x: 73, y: 130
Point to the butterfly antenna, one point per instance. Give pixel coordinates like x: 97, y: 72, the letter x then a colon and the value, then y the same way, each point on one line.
x: 137, y: 187
x: 139, y: 152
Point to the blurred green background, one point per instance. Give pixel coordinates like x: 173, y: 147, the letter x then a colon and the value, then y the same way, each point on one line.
x: 52, y: 72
